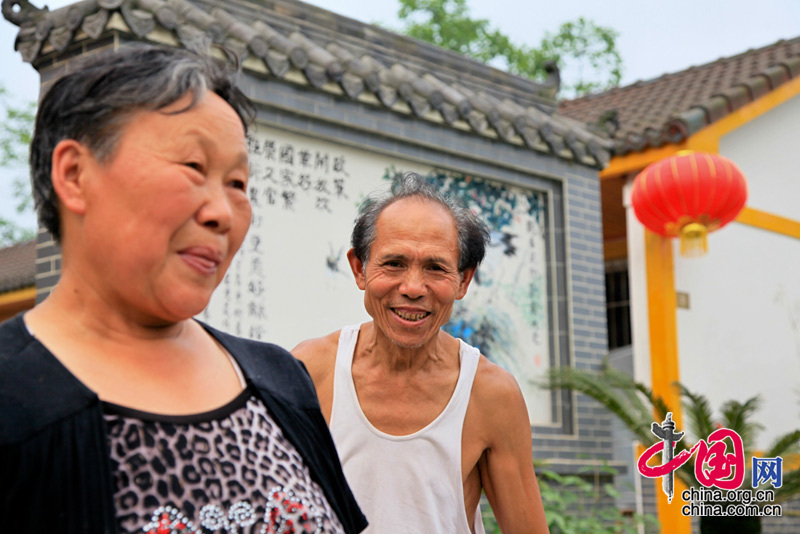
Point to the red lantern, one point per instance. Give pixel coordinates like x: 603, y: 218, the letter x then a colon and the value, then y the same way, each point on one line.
x: 689, y: 195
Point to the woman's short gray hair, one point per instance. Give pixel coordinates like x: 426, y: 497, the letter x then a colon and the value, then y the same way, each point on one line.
x: 93, y: 104
x: 473, y: 234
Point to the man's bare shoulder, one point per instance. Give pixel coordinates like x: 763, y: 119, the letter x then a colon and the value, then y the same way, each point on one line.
x: 318, y: 354
x: 311, y: 348
x: 492, y: 381
x: 497, y: 397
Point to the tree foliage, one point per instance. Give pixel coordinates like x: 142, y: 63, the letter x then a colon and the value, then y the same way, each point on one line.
x: 15, y: 136
x: 585, y: 52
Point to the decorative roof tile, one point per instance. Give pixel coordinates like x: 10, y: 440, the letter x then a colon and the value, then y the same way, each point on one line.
x: 674, y: 106
x: 19, y: 266
x: 336, y: 54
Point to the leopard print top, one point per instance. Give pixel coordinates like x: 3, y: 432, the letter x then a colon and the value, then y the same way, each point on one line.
x: 230, y: 470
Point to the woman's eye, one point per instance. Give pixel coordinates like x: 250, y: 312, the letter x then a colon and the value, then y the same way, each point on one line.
x: 239, y: 184
x: 194, y: 165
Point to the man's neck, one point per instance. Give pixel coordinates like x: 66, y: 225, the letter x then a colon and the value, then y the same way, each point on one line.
x: 395, y: 358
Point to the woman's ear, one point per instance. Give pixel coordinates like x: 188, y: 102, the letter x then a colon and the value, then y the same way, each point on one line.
x: 70, y: 162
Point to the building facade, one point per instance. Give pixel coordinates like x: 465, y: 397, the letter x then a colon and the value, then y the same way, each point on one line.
x: 725, y: 324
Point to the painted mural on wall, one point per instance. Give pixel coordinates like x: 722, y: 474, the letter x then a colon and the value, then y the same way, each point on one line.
x: 291, y: 279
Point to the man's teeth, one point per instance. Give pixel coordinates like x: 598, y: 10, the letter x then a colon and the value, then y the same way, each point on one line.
x: 411, y: 316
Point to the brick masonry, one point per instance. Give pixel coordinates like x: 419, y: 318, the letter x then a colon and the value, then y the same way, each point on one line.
x: 48, y: 264
x: 787, y: 524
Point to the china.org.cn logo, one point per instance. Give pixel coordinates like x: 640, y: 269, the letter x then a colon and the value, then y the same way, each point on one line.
x: 714, y: 467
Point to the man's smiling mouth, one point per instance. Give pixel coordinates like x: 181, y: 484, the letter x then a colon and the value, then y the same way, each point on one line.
x: 416, y: 316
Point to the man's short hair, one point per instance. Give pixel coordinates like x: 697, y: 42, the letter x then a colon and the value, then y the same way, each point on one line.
x: 473, y: 235
x: 93, y: 104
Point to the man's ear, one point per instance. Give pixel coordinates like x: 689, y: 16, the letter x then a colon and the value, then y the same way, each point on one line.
x: 466, y: 278
x: 358, y: 269
x: 70, y: 161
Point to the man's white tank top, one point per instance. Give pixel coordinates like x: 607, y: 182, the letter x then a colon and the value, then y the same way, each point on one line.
x: 404, y: 484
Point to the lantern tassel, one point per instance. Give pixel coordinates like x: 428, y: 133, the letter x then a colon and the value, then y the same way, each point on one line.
x: 693, y: 240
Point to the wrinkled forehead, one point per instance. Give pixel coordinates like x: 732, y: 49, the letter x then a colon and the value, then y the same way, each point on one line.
x: 417, y: 218
x: 421, y: 203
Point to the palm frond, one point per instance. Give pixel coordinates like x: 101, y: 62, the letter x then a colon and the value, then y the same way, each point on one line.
x: 737, y: 416
x: 698, y: 412
x: 635, y: 405
x: 659, y: 404
x: 625, y: 398
x: 595, y: 386
x: 787, y: 443
x: 790, y: 487
x: 626, y: 385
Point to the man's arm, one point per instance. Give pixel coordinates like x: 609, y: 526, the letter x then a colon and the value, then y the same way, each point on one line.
x: 506, y: 466
x: 319, y: 357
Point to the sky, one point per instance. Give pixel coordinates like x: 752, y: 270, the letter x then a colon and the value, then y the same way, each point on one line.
x: 655, y: 37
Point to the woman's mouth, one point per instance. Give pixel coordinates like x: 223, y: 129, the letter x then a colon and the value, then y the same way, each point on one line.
x: 203, y: 259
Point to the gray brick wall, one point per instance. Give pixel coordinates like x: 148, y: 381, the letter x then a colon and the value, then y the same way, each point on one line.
x: 583, y: 330
x: 48, y: 264
x: 789, y: 523
x: 649, y: 497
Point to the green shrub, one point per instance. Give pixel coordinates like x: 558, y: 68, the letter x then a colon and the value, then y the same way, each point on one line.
x: 573, y: 505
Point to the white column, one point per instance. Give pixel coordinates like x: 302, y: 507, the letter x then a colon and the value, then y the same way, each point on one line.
x: 637, y: 286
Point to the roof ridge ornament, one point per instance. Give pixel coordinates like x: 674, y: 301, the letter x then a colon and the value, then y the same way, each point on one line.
x: 22, y: 12
x: 552, y: 84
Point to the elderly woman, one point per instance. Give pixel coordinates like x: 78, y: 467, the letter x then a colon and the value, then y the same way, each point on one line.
x: 119, y: 411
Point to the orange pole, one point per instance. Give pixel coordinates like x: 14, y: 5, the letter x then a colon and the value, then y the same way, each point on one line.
x: 662, y: 319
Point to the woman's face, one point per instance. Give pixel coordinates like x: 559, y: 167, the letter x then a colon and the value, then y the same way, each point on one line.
x: 167, y: 211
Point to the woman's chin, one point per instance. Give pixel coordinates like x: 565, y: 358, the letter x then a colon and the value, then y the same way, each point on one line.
x: 176, y: 308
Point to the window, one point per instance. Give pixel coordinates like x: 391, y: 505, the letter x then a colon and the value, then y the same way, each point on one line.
x: 618, y: 305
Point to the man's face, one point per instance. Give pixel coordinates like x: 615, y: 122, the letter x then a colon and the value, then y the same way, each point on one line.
x: 411, y: 278
x: 166, y: 213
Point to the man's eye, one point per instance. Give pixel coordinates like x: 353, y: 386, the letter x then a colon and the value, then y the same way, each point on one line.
x: 239, y: 184
x: 194, y: 165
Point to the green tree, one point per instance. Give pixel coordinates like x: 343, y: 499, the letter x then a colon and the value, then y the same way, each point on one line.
x: 586, y: 52
x: 15, y: 137
x: 636, y: 406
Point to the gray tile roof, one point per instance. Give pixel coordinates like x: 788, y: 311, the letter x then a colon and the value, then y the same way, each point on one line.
x: 303, y: 44
x: 674, y: 106
x: 18, y: 266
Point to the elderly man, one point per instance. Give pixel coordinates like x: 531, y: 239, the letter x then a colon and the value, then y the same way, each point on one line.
x: 421, y: 420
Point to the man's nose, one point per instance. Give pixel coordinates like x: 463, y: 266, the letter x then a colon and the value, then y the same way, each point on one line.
x: 413, y: 284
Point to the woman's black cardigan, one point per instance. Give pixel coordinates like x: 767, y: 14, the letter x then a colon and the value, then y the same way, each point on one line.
x: 55, y: 473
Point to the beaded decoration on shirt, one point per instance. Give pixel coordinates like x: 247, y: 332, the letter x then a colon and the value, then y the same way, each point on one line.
x: 285, y: 514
